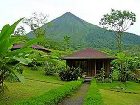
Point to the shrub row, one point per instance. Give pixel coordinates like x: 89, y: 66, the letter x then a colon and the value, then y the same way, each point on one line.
x: 93, y: 95
x: 54, y: 96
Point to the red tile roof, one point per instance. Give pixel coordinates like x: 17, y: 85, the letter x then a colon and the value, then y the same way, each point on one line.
x: 88, y: 53
x: 38, y: 47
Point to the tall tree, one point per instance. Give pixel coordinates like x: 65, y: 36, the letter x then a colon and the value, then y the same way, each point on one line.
x: 20, y: 31
x: 118, y: 21
x: 35, y: 22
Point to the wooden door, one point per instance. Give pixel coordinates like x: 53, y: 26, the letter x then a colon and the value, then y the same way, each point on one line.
x: 90, y: 68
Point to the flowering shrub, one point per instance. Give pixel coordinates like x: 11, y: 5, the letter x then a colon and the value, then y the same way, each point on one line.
x: 70, y: 74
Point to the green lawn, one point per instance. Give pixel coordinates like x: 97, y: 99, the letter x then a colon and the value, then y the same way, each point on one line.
x: 117, y: 93
x: 36, y: 83
x: 39, y: 75
x: 29, y: 87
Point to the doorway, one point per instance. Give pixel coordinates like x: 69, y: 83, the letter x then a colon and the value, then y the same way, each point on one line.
x: 99, y: 66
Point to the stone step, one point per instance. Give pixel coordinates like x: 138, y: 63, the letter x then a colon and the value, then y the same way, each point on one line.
x: 87, y: 79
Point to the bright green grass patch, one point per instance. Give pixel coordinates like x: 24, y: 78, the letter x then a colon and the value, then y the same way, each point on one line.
x: 29, y: 88
x: 119, y: 98
x: 20, y: 91
x: 53, y: 96
x: 122, y: 97
x: 40, y: 75
x: 93, y: 95
x: 126, y: 87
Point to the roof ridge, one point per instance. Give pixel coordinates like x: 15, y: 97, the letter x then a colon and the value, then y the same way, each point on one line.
x: 88, y: 53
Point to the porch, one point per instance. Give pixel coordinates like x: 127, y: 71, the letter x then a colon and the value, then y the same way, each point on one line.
x: 90, y: 66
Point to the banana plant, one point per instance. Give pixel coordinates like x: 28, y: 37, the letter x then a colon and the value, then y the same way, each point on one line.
x: 6, y: 43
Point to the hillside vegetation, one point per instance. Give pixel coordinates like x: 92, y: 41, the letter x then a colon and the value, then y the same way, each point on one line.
x: 84, y: 34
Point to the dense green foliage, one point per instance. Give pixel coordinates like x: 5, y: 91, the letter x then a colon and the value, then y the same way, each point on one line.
x: 53, y: 96
x: 83, y: 34
x: 6, y: 41
x: 93, y: 95
x: 50, y: 69
x: 126, y: 65
x: 54, y: 64
x: 10, y: 60
x: 101, y: 75
x: 70, y: 74
x: 51, y: 62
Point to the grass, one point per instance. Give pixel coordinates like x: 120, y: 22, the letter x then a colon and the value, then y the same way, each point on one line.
x: 37, y: 84
x: 93, y: 96
x: 118, y: 98
x: 53, y: 96
x: 117, y: 93
x: 39, y: 75
x: 29, y: 87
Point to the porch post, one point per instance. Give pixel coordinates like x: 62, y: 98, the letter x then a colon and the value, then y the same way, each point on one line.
x: 95, y: 67
x: 66, y: 63
x: 103, y: 64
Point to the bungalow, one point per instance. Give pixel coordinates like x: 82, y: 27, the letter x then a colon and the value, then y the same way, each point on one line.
x: 90, y: 61
x: 37, y: 47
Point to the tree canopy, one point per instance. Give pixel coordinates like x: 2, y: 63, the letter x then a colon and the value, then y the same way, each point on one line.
x: 118, y: 21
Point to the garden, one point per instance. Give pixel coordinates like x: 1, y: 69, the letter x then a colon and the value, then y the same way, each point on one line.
x: 31, y: 76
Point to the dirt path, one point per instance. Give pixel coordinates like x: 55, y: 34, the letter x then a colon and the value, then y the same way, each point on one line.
x: 77, y: 98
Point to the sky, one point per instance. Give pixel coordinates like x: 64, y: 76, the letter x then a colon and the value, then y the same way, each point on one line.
x: 89, y: 10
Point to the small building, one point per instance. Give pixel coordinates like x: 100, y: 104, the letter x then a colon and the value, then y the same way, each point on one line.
x: 90, y: 61
x: 37, y: 47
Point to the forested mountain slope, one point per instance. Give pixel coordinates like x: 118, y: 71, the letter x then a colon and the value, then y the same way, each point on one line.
x: 85, y: 34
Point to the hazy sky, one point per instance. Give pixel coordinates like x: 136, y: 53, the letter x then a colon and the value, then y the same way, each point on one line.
x: 89, y: 10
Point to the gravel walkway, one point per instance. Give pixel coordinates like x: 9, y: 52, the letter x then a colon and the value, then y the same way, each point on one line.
x: 78, y: 97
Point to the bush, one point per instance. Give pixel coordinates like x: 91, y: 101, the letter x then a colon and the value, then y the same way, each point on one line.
x: 70, y: 74
x: 133, y: 77
x: 53, y: 65
x: 125, y: 64
x: 34, y: 68
x: 101, y: 76
x: 54, y: 96
x: 108, y: 80
x: 115, y: 74
x: 50, y: 69
x: 34, y: 65
x: 93, y: 95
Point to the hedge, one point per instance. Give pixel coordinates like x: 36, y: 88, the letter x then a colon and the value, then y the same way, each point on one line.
x: 54, y: 96
x: 93, y: 96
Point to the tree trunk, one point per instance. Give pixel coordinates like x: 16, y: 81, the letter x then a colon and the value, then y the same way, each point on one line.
x: 123, y: 73
x: 119, y: 40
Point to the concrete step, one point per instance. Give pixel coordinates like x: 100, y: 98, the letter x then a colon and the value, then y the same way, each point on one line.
x: 87, y: 79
